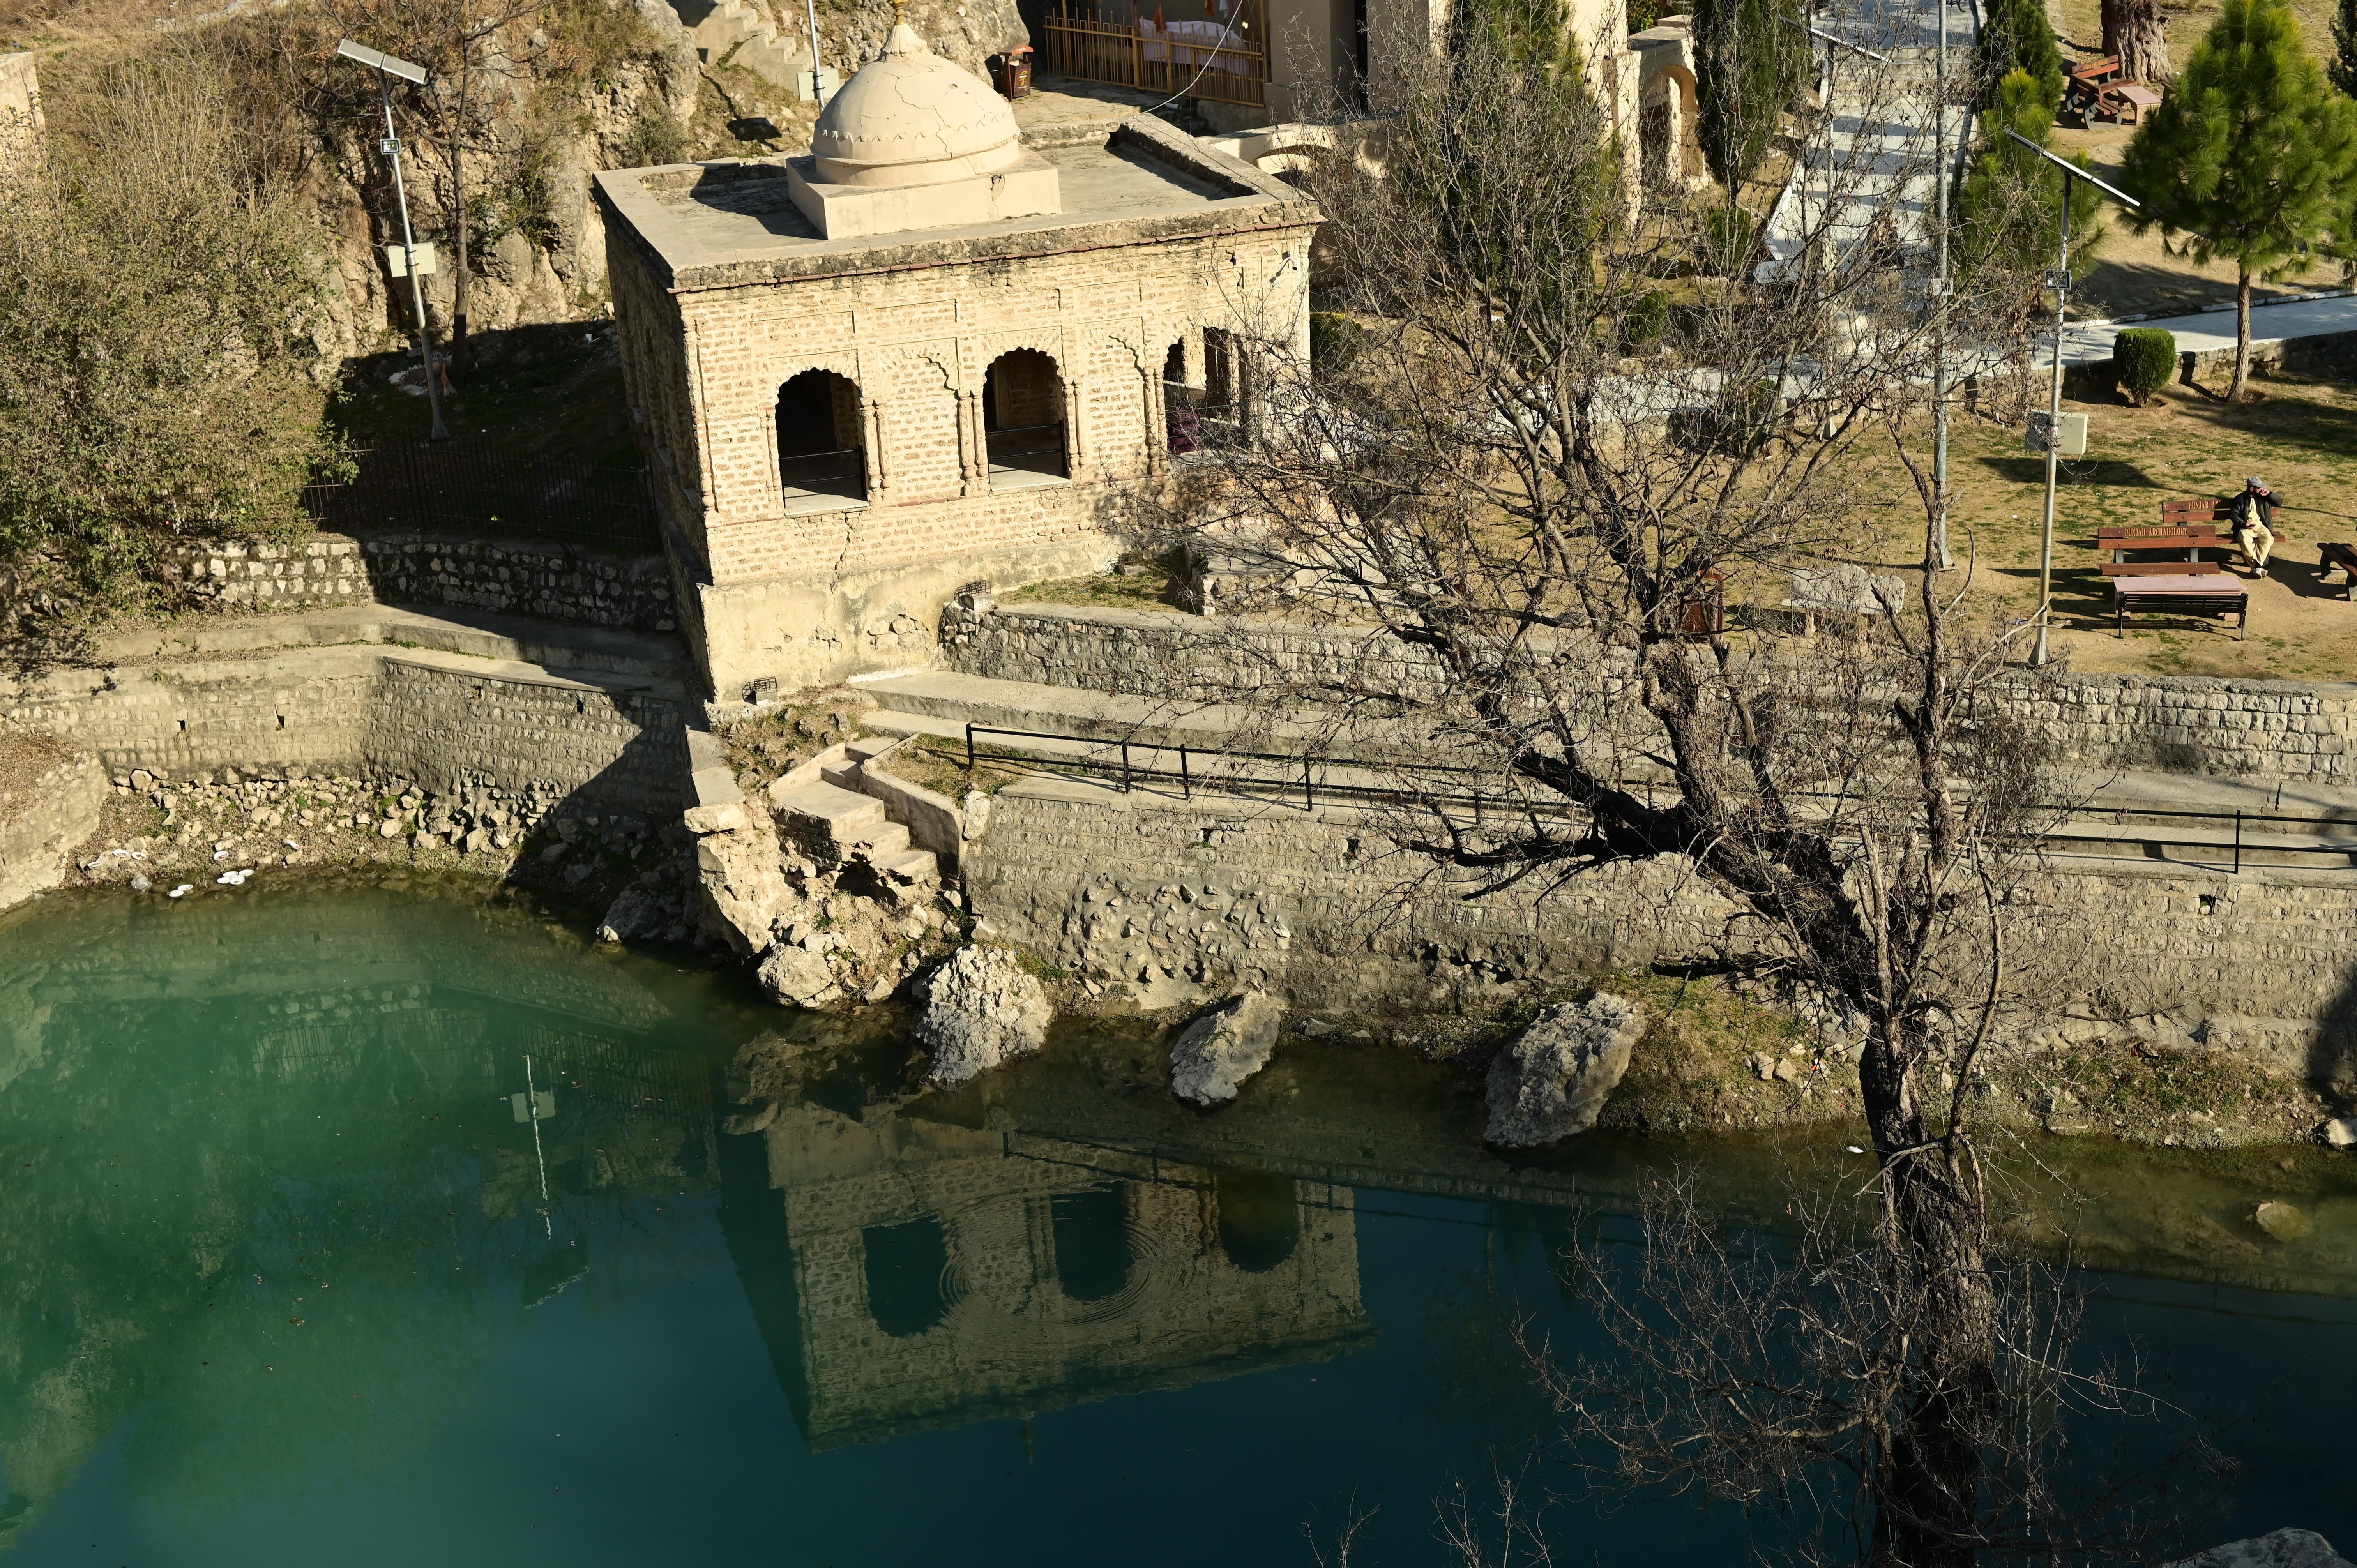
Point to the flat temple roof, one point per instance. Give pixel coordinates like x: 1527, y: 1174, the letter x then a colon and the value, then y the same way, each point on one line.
x: 726, y: 225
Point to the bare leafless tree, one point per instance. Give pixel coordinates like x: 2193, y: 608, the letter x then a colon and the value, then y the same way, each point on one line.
x: 1565, y: 429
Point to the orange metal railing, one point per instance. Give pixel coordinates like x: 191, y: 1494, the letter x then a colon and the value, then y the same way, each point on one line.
x: 1111, y: 43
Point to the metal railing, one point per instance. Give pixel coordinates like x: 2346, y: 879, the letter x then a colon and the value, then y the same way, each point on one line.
x: 1111, y: 43
x: 1122, y: 760
x: 482, y: 489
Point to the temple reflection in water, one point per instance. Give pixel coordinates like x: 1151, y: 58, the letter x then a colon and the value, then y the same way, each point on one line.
x: 910, y: 1274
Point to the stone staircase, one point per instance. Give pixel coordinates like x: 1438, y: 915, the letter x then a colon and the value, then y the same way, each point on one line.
x: 835, y: 823
x: 734, y: 32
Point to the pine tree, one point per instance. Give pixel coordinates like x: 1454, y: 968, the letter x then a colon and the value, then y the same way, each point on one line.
x: 2012, y: 200
x: 2343, y: 68
x: 2247, y: 158
x: 1750, y: 63
x: 2018, y: 35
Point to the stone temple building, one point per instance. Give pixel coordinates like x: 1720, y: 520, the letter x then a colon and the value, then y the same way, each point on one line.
x: 932, y: 352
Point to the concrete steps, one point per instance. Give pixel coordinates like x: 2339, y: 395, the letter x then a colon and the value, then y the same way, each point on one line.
x: 838, y: 826
x: 732, y: 32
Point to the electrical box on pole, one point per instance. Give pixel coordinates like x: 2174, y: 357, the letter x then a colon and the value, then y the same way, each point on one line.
x: 2042, y: 430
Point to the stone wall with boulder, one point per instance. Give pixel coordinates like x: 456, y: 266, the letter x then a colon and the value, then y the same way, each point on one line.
x: 54, y: 808
x: 1169, y: 904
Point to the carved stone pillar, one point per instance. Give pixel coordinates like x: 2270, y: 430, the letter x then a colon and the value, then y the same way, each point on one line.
x: 1158, y: 419
x: 974, y: 452
x: 877, y: 473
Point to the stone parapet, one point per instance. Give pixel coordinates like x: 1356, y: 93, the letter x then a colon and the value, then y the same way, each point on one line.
x: 1170, y: 653
x: 2289, y: 729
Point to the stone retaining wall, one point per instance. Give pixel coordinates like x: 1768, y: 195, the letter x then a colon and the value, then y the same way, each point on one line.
x: 1168, y: 653
x: 39, y: 823
x: 444, y: 721
x: 511, y: 576
x: 1183, y: 903
x: 2289, y: 729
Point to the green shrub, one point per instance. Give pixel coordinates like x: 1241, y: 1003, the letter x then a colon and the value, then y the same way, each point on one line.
x: 2143, y: 360
x: 655, y: 139
x: 1334, y: 340
x: 1727, y: 235
x: 1647, y: 320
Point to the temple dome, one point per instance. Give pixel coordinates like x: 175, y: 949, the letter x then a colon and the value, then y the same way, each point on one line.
x: 909, y: 117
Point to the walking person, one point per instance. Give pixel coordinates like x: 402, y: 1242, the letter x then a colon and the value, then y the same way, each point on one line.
x: 2253, y: 515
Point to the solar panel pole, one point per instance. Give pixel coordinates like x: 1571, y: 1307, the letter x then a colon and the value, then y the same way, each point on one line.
x: 386, y: 67
x: 2059, y: 280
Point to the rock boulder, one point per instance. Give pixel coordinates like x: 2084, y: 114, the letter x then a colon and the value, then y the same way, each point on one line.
x: 2284, y: 1548
x: 740, y: 889
x: 981, y: 1011
x: 795, y: 978
x: 1212, y: 1056
x: 1552, y: 1082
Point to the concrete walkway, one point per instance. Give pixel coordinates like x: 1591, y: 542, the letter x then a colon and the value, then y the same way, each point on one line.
x: 1875, y: 154
x: 2208, y: 330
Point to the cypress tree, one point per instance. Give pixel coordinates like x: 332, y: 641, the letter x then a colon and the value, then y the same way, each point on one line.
x: 2343, y: 68
x: 1750, y: 63
x: 2009, y: 203
x: 2016, y: 35
x: 2249, y: 157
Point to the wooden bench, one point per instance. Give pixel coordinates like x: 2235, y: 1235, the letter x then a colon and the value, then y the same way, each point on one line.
x: 2164, y: 568
x: 2344, y: 556
x: 2192, y: 539
x: 2188, y: 510
x: 2181, y: 595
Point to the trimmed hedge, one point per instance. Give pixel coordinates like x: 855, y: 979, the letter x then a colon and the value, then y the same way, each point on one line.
x: 2143, y: 361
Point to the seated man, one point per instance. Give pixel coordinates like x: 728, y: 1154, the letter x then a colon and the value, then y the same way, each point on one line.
x: 2254, y: 514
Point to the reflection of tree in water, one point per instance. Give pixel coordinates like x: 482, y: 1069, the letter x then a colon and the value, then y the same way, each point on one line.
x: 207, y: 1171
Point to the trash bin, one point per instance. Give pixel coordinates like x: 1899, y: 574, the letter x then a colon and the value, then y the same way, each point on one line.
x: 1013, y: 72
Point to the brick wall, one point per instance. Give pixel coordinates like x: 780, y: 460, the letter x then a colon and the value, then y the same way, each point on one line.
x: 915, y: 345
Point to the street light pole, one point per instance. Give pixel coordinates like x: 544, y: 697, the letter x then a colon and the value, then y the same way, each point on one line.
x: 1940, y: 297
x: 387, y: 67
x: 2059, y: 280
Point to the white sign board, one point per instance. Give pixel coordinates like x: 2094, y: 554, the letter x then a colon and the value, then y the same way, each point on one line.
x: 396, y: 257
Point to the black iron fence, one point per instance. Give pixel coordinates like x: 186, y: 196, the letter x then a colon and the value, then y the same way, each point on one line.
x: 482, y: 490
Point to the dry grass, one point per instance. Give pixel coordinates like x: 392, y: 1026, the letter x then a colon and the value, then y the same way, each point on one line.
x: 2301, y: 437
x: 2135, y: 274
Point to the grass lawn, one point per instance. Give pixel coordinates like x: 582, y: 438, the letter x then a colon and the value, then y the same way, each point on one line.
x: 2301, y: 437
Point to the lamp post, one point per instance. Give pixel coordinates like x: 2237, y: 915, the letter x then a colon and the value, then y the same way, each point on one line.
x: 1940, y: 295
x: 387, y: 67
x: 2059, y: 280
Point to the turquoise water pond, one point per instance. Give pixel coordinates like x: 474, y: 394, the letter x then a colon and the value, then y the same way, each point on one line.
x: 279, y: 1283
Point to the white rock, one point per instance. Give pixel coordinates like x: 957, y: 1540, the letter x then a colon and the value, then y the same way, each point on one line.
x: 1212, y: 1056
x: 2284, y: 1548
x: 740, y: 889
x: 981, y: 1011
x: 726, y: 817
x: 2341, y: 1131
x: 794, y: 978
x: 1552, y: 1082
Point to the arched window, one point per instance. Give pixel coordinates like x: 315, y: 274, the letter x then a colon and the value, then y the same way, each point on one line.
x: 1091, y: 1229
x: 1226, y: 406
x: 1023, y: 420
x: 906, y: 1265
x: 1180, y: 421
x: 821, y: 443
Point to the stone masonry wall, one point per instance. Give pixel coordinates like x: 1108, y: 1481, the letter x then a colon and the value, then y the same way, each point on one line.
x: 516, y: 576
x: 1168, y: 653
x: 39, y: 822
x: 1186, y: 902
x: 2287, y: 729
x: 443, y: 720
x: 511, y: 576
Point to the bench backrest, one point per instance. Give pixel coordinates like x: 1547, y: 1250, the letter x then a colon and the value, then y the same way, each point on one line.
x: 2201, y: 509
x: 2136, y: 536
